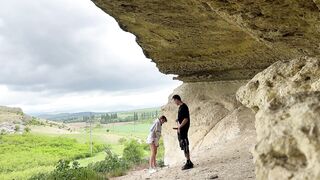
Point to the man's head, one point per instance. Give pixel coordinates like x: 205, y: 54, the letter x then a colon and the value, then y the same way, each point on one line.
x: 177, y: 99
x: 163, y: 119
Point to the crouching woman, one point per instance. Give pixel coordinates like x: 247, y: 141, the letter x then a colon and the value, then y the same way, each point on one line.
x: 153, y: 141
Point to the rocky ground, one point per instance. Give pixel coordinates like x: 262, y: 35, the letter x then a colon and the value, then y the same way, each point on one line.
x: 229, y: 161
x: 12, y: 120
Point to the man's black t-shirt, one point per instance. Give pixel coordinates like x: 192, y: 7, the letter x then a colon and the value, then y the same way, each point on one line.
x: 182, y: 114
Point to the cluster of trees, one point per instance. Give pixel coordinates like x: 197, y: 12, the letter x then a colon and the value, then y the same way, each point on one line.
x: 136, y: 116
x: 148, y: 115
x: 108, y: 118
x: 114, y: 117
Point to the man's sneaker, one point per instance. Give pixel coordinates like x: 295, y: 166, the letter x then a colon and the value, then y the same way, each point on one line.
x: 151, y: 170
x: 191, y: 164
x: 187, y: 166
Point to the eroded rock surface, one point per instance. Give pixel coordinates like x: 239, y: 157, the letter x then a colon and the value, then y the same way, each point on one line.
x: 209, y: 40
x: 279, y: 80
x: 11, y: 117
x: 286, y: 98
x: 216, y: 117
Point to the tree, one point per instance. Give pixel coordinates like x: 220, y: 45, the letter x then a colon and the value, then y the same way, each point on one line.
x: 16, y: 128
x: 135, y: 116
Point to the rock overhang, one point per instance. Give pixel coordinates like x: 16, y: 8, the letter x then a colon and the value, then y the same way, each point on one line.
x: 212, y: 40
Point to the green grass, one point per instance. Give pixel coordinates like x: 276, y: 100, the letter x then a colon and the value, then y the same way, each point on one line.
x: 24, y: 155
x: 86, y: 161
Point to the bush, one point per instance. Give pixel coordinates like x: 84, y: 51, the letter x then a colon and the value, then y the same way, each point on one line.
x: 112, y: 165
x: 98, y: 126
x: 16, y: 128
x: 122, y: 140
x: 3, y: 132
x: 63, y: 171
x: 133, y: 152
x: 27, y: 129
x: 160, y: 163
x: 34, y: 121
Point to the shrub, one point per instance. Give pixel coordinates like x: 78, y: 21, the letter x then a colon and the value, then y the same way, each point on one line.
x: 34, y: 121
x: 63, y: 171
x: 161, y: 150
x: 98, y: 126
x: 16, y: 128
x: 3, y: 132
x: 112, y: 165
x: 133, y: 152
x: 122, y: 140
x: 27, y: 129
x: 160, y: 163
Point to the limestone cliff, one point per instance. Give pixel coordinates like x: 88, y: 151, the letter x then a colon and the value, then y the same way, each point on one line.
x: 208, y: 40
x: 286, y: 97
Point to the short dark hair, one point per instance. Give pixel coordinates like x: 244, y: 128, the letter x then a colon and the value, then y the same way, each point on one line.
x: 164, y: 118
x: 177, y: 97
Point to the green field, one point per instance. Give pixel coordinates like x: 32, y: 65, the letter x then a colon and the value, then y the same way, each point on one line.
x: 38, y: 151
x: 24, y: 155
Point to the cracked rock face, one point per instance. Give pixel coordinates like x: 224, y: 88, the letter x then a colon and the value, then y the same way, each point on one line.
x: 210, y: 40
x: 216, y: 117
x: 281, y: 79
x: 286, y: 97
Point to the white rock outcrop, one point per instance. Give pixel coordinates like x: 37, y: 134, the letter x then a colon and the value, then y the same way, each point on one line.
x: 216, y: 117
x: 10, y: 118
x: 286, y: 98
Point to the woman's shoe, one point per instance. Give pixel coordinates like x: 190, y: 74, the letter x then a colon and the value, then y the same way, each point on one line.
x: 151, y: 170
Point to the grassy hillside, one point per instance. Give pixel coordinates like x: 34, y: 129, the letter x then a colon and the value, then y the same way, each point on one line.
x: 38, y: 150
x: 24, y: 155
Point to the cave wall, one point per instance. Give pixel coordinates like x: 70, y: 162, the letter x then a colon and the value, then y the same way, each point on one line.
x: 286, y: 97
x: 216, y: 117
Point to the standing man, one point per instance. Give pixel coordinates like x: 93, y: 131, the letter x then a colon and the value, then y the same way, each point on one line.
x: 183, y: 122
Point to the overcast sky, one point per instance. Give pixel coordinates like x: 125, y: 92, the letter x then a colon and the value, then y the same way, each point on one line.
x: 69, y: 56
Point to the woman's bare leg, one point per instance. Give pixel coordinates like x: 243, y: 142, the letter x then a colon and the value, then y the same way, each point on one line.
x: 155, y: 156
x: 151, y: 155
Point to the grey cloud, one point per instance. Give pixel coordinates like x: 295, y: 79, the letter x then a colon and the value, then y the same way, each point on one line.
x: 66, y: 46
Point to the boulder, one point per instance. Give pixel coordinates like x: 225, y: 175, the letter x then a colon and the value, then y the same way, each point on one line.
x: 286, y: 98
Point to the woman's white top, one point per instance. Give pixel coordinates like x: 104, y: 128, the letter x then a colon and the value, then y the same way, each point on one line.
x: 155, y: 133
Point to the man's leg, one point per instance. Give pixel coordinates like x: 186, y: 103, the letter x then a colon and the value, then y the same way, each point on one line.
x: 185, y: 145
x: 187, y: 153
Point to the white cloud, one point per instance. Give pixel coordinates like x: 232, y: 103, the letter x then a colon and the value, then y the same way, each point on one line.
x: 55, y: 54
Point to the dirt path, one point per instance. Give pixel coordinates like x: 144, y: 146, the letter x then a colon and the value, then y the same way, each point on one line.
x: 229, y: 161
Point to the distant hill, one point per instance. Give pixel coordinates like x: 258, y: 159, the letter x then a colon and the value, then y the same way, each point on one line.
x: 65, y: 116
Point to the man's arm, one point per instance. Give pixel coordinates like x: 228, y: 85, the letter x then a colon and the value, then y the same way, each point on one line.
x: 185, y: 120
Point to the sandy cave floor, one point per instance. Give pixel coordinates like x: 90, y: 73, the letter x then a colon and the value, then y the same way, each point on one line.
x: 229, y: 161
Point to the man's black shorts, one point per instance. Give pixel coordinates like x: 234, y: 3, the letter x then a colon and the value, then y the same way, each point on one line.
x: 183, y: 141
